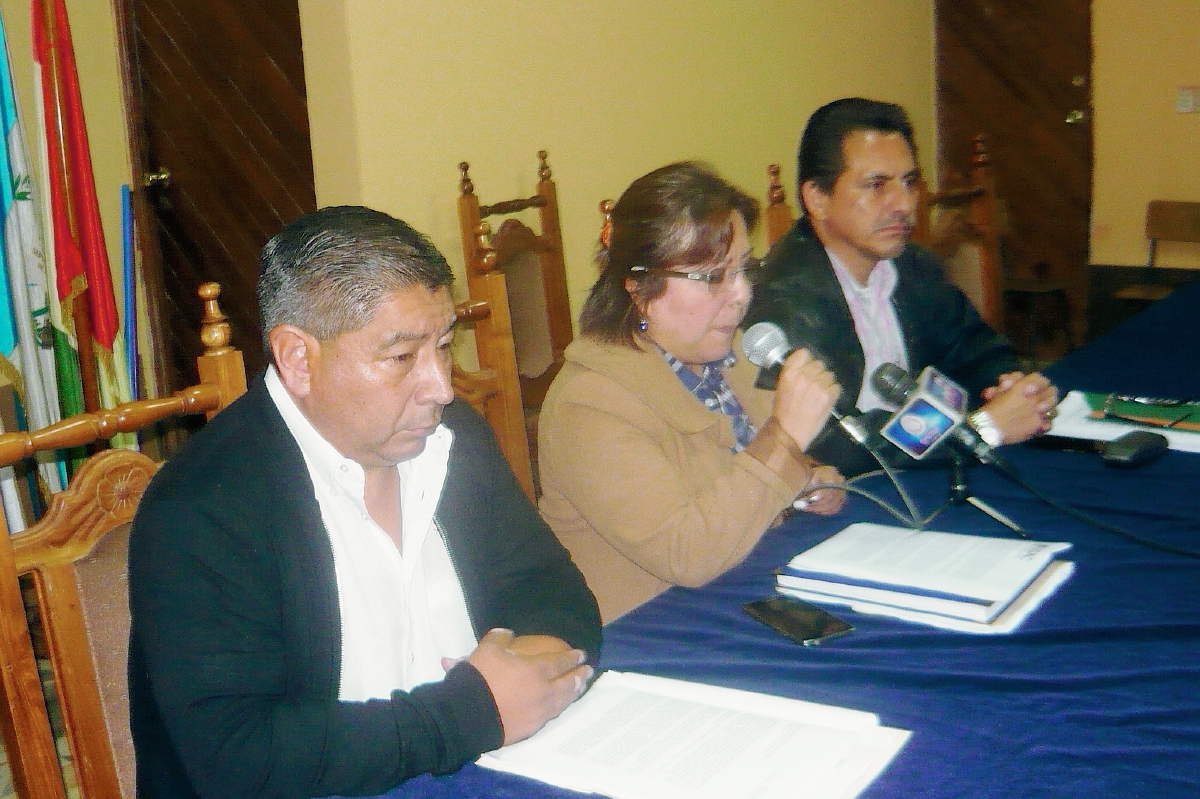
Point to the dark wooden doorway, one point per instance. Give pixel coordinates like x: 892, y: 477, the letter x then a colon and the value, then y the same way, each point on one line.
x: 1019, y: 72
x: 215, y: 96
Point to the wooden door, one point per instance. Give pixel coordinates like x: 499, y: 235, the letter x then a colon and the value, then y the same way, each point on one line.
x: 216, y: 98
x: 1019, y: 72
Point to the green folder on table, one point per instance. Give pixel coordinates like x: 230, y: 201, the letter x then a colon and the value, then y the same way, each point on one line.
x: 1175, y: 414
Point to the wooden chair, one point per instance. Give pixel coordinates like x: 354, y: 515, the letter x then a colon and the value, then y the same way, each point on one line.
x: 532, y: 288
x: 779, y: 214
x: 1166, y: 220
x: 74, y: 559
x: 494, y: 390
x: 1026, y: 304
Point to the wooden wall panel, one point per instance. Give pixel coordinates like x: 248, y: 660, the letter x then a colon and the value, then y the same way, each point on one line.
x: 1015, y: 71
x: 220, y: 103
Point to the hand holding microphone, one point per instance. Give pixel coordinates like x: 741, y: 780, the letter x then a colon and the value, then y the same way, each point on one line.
x: 804, y: 397
x: 766, y: 346
x: 805, y: 391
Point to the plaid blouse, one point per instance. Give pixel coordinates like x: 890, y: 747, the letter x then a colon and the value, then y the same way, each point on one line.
x: 711, y: 388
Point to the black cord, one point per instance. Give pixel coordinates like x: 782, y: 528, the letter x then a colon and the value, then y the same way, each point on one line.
x: 848, y: 486
x: 914, y: 512
x: 1088, y: 519
x: 937, y: 511
x: 1008, y: 471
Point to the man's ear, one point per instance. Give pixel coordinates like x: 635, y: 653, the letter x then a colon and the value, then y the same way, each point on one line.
x: 816, y: 202
x: 293, y: 351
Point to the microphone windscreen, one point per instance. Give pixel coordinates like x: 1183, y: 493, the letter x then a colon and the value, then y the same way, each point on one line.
x: 765, y: 345
x: 892, y: 383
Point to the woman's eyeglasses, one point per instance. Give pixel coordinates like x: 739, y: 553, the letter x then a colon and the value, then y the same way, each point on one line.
x: 714, y: 278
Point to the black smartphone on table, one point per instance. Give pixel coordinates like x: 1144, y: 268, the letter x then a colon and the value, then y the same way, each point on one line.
x: 798, y: 620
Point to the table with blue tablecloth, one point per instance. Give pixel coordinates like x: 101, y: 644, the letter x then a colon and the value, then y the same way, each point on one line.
x: 1096, y: 695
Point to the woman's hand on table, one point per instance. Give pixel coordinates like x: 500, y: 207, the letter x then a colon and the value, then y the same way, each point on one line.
x: 824, y: 501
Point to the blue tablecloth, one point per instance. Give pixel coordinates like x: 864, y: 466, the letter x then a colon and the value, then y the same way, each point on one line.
x: 1156, y: 353
x: 1096, y: 695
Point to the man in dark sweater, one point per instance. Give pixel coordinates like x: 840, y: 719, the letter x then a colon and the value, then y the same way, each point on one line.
x: 338, y: 583
x: 847, y: 283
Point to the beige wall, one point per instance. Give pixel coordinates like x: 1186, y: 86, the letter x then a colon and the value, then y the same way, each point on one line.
x: 93, y: 31
x: 1144, y: 150
x: 399, y: 93
x: 617, y: 88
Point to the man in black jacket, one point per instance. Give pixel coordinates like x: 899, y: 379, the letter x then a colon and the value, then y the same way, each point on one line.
x: 338, y: 583
x: 847, y: 283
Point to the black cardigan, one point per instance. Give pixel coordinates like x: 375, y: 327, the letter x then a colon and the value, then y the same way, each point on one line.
x: 799, y: 292
x: 235, y: 639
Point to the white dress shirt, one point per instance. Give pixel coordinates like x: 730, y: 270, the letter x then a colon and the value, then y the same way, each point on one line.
x: 402, y: 611
x: 875, y: 323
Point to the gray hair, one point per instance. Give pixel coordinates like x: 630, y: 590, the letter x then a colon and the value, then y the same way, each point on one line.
x: 327, y: 272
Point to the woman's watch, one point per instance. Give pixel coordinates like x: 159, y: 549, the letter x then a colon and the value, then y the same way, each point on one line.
x: 983, y: 423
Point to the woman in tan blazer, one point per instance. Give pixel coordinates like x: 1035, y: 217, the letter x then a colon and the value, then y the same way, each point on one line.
x: 660, y: 463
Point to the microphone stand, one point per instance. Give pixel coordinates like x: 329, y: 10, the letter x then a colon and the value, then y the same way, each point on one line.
x: 960, y: 492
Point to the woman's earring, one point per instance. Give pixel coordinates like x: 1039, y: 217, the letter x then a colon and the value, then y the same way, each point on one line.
x: 643, y: 325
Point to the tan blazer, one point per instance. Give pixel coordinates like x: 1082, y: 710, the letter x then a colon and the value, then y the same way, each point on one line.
x: 639, y: 480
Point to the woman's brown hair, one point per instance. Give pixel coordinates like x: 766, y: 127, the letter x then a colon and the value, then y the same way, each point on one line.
x: 677, y: 215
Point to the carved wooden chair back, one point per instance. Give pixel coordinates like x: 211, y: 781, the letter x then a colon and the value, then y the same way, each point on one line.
x: 74, y: 562
x: 964, y: 225
x: 534, y: 277
x: 495, y: 389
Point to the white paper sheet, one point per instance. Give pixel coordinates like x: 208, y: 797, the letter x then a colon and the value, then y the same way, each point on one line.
x: 633, y: 736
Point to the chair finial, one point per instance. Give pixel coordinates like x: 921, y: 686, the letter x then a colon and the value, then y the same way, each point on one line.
x: 980, y: 156
x: 464, y: 184
x: 215, y: 332
x: 775, y: 193
x: 483, y: 232
x: 606, y: 207
x: 483, y: 244
x: 543, y: 167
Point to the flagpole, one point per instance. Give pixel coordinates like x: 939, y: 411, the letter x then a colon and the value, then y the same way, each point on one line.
x: 129, y: 286
x: 79, y: 306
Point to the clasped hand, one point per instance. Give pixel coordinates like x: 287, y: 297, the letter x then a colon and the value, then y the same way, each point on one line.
x: 1021, y: 405
x: 532, y: 678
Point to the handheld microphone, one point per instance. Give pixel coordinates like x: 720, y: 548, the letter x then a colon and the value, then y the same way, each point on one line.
x: 766, y: 346
x: 896, y: 386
